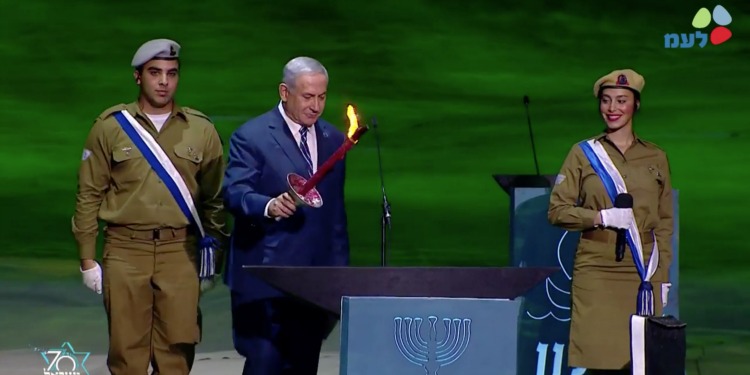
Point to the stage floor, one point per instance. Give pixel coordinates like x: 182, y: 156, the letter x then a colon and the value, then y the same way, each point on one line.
x: 45, y: 315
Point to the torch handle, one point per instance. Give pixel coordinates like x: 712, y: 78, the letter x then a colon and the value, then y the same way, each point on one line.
x: 338, y: 155
x: 323, y: 170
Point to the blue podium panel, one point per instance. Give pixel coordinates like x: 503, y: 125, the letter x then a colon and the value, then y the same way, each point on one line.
x: 544, y: 323
x: 428, y: 336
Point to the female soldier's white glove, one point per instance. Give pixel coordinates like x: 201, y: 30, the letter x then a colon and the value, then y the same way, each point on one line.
x: 665, y: 294
x: 617, y: 217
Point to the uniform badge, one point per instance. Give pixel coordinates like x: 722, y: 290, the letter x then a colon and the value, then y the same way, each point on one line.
x: 86, y: 154
x: 191, y: 153
x: 622, y: 80
x: 658, y: 172
x: 560, y: 178
x: 126, y: 150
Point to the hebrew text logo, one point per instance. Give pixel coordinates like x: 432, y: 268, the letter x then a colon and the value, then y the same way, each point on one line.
x: 718, y: 35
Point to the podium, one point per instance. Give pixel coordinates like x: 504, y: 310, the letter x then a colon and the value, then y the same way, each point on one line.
x: 417, y: 320
x: 544, y: 324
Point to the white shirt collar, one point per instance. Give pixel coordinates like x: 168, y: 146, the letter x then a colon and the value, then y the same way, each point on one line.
x: 293, y: 126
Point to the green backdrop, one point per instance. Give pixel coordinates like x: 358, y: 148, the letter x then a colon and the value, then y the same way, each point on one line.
x: 445, y: 80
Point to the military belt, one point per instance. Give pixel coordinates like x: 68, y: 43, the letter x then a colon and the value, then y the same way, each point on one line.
x: 610, y: 236
x: 159, y: 234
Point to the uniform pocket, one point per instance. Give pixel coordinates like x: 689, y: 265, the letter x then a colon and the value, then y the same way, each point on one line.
x: 189, y: 153
x: 126, y: 164
x: 657, y: 174
x: 189, y: 158
x: 649, y: 179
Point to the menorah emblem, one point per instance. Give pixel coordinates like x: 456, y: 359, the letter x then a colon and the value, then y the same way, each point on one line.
x: 431, y: 354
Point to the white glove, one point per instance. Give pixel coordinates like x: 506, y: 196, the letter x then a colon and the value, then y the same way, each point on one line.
x: 207, y: 285
x: 92, y: 278
x: 617, y: 217
x: 665, y: 294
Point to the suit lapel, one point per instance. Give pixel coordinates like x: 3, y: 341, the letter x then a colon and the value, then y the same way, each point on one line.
x: 326, y: 148
x: 283, y: 136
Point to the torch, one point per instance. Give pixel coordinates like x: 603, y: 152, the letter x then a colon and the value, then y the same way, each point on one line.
x: 302, y: 190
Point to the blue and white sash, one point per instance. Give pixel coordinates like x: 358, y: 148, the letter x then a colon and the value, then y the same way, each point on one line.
x: 614, y: 184
x: 164, y: 168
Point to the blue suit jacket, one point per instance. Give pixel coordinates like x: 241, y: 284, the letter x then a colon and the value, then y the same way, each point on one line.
x: 261, y: 154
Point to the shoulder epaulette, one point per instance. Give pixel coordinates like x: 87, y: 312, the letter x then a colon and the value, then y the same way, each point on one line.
x: 111, y: 110
x: 196, y: 112
x: 652, y: 144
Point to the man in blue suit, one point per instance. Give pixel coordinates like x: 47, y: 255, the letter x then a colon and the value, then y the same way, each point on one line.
x: 276, y: 333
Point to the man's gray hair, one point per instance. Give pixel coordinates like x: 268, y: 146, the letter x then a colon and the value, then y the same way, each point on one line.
x: 301, y: 65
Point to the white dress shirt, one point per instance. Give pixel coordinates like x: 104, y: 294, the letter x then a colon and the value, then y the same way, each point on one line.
x: 312, y: 144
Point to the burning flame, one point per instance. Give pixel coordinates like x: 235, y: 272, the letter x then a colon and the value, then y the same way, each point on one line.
x: 353, y: 122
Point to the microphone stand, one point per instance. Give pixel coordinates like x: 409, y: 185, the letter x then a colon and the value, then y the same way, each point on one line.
x: 531, y: 133
x: 385, y: 219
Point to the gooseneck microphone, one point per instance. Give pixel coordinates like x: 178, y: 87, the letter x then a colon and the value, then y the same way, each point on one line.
x: 623, y: 200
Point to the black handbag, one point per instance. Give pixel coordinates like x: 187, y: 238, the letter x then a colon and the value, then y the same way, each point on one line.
x: 657, y: 345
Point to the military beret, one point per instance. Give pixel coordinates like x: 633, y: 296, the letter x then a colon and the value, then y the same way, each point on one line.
x: 623, y: 78
x: 157, y: 48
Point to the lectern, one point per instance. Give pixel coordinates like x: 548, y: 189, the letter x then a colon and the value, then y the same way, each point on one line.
x: 544, y: 325
x: 417, y: 320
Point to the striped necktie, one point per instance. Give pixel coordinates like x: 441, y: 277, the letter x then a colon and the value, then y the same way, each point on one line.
x: 306, y: 150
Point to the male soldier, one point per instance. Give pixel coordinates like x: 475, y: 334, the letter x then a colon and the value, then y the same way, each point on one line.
x: 152, y: 171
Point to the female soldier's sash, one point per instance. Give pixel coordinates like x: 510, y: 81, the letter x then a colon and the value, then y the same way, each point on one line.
x: 164, y: 168
x: 614, y: 184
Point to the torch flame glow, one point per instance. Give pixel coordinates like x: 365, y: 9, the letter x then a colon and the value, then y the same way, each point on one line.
x: 353, y: 122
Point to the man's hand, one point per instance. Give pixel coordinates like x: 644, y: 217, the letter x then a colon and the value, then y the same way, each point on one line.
x: 92, y: 275
x: 616, y: 217
x: 282, y: 206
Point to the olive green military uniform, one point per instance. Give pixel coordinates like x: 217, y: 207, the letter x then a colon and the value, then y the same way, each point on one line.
x: 150, y: 275
x: 604, y: 291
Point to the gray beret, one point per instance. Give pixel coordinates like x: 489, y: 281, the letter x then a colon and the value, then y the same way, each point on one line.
x: 162, y: 48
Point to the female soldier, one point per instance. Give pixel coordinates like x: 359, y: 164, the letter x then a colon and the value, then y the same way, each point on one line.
x: 606, y: 288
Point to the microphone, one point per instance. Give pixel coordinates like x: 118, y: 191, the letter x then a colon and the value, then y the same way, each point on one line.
x: 531, y: 133
x: 385, y: 220
x: 623, y: 200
